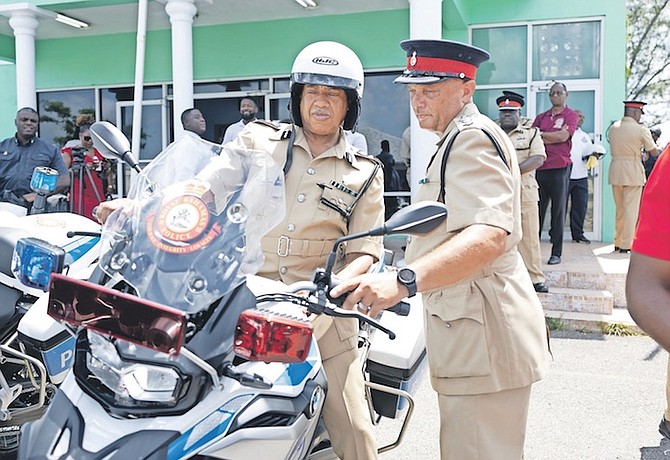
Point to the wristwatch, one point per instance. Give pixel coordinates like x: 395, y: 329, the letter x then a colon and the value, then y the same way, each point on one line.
x: 407, y: 278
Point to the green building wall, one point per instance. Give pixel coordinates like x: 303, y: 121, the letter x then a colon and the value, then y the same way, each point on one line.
x: 267, y: 48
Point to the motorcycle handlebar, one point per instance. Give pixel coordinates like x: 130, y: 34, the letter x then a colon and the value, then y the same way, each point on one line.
x: 400, y: 309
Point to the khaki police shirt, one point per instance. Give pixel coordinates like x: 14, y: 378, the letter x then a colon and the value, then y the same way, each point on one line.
x: 627, y: 138
x: 527, y: 143
x: 486, y: 333
x: 302, y: 241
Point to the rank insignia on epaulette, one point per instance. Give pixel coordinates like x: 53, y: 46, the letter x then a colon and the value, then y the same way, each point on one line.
x: 465, y: 120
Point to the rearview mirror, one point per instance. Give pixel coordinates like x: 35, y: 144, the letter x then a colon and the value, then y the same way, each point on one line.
x: 112, y: 143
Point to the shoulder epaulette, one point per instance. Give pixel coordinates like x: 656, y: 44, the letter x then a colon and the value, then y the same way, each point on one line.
x: 269, y: 124
x: 284, y: 128
x: 466, y: 122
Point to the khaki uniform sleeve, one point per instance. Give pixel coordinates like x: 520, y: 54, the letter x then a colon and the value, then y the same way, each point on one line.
x: 536, y: 145
x: 485, y: 193
x: 368, y: 213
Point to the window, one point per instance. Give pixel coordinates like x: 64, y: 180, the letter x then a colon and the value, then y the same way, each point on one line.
x: 507, y: 46
x: 566, y: 51
x: 58, y: 111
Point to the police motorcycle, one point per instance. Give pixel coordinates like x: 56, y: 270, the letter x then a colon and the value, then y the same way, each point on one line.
x: 181, y: 351
x: 35, y: 350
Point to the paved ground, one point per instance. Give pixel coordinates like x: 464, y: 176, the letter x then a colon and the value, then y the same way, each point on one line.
x: 602, y: 399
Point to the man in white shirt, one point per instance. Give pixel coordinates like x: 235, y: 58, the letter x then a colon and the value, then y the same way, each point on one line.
x: 358, y: 140
x: 248, y: 110
x: 578, y: 189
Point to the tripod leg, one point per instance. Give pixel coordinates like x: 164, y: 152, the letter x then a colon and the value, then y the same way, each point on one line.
x: 98, y: 197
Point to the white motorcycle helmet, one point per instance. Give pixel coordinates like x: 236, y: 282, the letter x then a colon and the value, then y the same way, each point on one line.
x: 328, y: 64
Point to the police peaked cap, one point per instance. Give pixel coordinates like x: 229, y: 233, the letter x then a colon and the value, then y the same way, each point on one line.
x: 510, y: 101
x: 635, y: 105
x: 430, y: 61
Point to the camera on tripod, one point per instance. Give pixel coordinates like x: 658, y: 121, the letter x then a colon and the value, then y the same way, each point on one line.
x: 78, y: 155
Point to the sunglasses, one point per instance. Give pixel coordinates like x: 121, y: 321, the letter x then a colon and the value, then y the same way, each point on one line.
x: 87, y: 138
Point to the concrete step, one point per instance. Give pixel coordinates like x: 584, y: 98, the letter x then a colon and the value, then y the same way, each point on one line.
x: 577, y: 300
x: 615, y: 283
x: 591, y: 322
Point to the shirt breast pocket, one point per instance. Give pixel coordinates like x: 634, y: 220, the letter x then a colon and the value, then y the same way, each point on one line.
x: 456, y: 341
x: 335, y: 201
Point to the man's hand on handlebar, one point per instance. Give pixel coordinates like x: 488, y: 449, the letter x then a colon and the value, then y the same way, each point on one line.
x: 378, y: 291
x: 105, y: 208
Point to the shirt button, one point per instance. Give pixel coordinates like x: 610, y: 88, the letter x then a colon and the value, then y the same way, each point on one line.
x: 290, y: 227
x: 301, y: 198
x: 311, y: 171
x: 283, y: 270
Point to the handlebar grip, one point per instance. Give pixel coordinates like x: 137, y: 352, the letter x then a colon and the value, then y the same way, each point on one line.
x: 400, y: 309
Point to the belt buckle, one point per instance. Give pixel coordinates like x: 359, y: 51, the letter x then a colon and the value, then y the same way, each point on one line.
x: 283, y: 246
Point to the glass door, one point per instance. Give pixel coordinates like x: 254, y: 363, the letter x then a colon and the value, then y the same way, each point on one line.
x: 584, y: 96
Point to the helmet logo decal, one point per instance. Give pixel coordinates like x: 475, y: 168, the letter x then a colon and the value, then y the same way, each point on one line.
x: 323, y: 60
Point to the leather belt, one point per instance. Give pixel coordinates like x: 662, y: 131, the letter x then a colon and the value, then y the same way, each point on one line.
x: 285, y: 246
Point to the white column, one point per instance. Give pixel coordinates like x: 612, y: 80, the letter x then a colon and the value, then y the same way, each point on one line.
x: 181, y: 14
x: 24, y: 24
x: 425, y: 21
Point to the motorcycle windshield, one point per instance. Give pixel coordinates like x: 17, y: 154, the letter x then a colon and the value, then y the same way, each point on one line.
x: 193, y: 224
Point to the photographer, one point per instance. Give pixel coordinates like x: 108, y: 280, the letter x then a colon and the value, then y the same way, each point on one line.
x: 89, y: 172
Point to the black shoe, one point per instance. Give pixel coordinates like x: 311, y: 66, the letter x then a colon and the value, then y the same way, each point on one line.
x: 582, y: 239
x: 541, y: 287
x: 624, y: 251
x: 553, y: 260
x: 663, y: 428
x: 616, y: 248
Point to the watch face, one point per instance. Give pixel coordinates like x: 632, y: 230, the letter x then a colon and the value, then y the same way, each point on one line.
x: 407, y: 275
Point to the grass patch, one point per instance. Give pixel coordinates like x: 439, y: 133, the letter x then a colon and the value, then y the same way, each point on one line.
x: 556, y: 324
x: 584, y: 330
x: 619, y: 329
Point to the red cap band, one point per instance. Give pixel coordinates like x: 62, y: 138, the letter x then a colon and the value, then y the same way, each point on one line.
x: 508, y: 103
x: 635, y: 105
x: 427, y: 64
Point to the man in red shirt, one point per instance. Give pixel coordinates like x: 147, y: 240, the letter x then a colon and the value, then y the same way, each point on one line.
x: 557, y: 125
x: 648, y: 282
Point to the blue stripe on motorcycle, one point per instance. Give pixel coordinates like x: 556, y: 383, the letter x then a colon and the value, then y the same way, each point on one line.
x: 295, y: 373
x: 205, y: 431
x: 80, y: 248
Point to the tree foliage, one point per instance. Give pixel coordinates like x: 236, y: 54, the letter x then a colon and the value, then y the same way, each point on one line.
x: 648, y: 55
x: 60, y: 114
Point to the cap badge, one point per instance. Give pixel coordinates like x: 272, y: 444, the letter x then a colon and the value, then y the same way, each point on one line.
x: 412, y: 60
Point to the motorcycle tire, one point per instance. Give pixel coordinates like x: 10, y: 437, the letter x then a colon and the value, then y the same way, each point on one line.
x: 9, y: 441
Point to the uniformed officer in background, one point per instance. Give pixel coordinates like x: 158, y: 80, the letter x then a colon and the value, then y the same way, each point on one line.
x: 332, y: 189
x: 530, y: 154
x: 627, y: 138
x: 485, y: 330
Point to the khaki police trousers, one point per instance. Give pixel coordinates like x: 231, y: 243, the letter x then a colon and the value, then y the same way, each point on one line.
x: 485, y: 426
x: 529, y: 246
x: 627, y: 201
x: 345, y: 411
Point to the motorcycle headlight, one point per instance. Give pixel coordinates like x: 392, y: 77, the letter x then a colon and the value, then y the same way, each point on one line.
x: 34, y: 260
x: 131, y: 382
